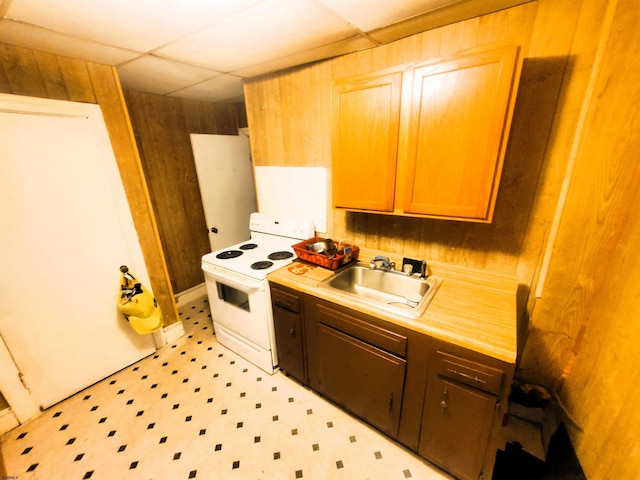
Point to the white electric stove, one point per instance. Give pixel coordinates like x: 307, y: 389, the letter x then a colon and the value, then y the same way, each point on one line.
x: 236, y: 280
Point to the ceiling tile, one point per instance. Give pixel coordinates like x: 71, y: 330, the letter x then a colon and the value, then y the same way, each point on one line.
x: 342, y: 47
x: 157, y: 75
x: 138, y: 25
x: 374, y: 14
x: 223, y: 88
x: 182, y: 47
x: 270, y: 30
x: 37, y: 38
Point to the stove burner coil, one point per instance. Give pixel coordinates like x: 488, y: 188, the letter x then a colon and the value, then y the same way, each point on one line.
x: 282, y: 255
x: 261, y: 265
x: 248, y: 246
x: 227, y: 254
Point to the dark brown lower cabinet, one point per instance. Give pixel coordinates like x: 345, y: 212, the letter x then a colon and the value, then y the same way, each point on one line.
x: 289, y: 332
x: 375, y: 369
x: 364, y: 379
x: 457, y: 423
x: 459, y: 408
x: 442, y: 401
x: 289, y: 343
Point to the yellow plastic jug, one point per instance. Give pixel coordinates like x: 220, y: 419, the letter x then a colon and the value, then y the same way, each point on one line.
x: 137, y: 305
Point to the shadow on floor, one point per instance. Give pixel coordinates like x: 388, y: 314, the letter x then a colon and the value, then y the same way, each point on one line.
x: 561, y: 463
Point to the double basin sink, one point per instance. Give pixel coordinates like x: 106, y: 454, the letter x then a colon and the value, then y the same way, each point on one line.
x: 390, y: 290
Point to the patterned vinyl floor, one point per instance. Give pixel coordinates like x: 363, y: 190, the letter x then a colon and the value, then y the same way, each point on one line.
x: 194, y: 409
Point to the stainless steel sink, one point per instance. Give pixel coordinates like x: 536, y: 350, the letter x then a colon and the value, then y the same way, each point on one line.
x: 391, y: 290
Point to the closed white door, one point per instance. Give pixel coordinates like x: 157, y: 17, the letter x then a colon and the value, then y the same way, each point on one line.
x: 66, y: 229
x: 225, y: 177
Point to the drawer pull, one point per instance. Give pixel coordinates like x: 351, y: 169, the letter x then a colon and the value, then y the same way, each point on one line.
x: 475, y: 378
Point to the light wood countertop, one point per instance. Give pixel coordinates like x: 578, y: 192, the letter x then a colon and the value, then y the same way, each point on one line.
x: 473, y: 309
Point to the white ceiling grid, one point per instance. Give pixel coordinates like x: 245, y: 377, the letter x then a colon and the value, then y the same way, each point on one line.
x: 202, y: 49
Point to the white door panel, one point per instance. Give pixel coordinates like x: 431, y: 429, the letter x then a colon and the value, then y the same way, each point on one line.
x: 66, y: 229
x: 225, y: 177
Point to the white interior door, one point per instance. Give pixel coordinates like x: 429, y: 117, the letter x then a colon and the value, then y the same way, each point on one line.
x: 225, y: 177
x: 66, y: 229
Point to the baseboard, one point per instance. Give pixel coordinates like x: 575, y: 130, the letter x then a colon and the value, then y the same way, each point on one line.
x: 168, y: 334
x: 8, y: 421
x: 173, y: 332
x: 194, y: 293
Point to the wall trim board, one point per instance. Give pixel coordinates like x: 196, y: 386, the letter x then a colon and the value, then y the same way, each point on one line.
x: 576, y: 145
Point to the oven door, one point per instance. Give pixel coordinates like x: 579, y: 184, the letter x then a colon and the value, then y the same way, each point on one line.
x: 240, y: 304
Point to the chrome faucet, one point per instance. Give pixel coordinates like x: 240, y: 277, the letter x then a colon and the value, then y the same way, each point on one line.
x: 381, y: 263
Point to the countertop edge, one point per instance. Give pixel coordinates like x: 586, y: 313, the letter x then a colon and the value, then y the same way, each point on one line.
x: 463, y: 299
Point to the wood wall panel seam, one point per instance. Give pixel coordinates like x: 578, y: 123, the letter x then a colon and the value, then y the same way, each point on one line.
x: 106, y: 88
x: 22, y: 72
x: 146, y: 200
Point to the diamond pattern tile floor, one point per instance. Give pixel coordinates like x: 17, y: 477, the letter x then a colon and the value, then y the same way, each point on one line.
x: 194, y: 409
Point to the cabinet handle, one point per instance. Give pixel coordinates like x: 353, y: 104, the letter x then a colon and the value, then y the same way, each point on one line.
x: 283, y: 304
x: 390, y: 402
x: 475, y: 378
x: 443, y: 402
x: 292, y: 331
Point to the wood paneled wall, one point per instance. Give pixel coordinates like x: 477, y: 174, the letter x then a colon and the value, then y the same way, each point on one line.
x: 289, y: 116
x: 31, y: 73
x: 162, y: 126
x: 592, y: 292
x: 583, y: 331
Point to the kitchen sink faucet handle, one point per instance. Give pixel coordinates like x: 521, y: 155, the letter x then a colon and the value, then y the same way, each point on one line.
x: 380, y: 261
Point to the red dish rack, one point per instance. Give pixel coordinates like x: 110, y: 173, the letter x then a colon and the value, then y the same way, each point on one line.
x: 321, y: 259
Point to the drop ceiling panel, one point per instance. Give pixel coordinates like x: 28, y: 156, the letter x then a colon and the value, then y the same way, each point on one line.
x: 140, y: 25
x: 342, y: 47
x: 182, y: 47
x: 379, y: 13
x: 158, y: 75
x: 270, y: 30
x: 38, y: 38
x: 223, y: 88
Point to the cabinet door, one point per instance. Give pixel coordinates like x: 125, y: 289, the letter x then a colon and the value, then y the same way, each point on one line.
x: 457, y: 134
x: 456, y: 426
x: 288, y: 330
x: 364, y: 379
x: 366, y: 119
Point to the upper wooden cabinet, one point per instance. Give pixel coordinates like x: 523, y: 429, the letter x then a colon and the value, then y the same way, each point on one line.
x: 450, y: 137
x: 366, y: 122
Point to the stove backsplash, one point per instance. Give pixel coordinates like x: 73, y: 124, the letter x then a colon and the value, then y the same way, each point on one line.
x: 293, y: 192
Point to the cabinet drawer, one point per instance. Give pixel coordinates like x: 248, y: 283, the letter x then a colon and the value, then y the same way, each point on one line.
x: 365, y: 331
x: 470, y: 373
x: 285, y: 300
